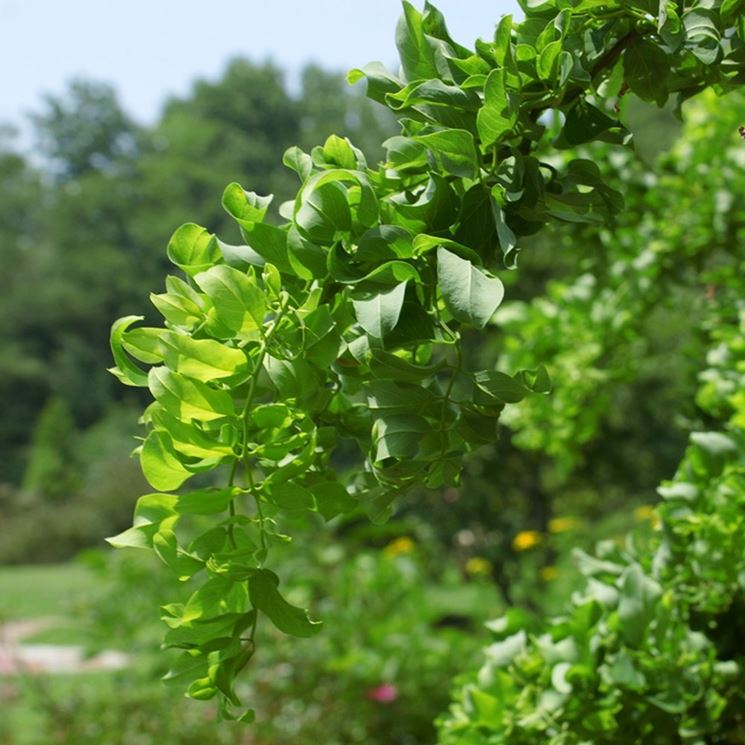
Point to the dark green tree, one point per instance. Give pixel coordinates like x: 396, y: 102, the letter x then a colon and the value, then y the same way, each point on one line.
x: 84, y: 130
x: 53, y: 471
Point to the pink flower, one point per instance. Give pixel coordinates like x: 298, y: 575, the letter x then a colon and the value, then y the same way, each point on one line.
x: 383, y: 694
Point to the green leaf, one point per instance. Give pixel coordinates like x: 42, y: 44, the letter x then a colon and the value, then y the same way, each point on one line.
x: 143, y: 343
x: 188, y: 666
x: 505, y: 234
x: 180, y: 304
x: 434, y: 209
x: 239, y: 302
x: 208, y: 501
x: 189, y: 399
x: 433, y: 93
x: 501, y: 386
x: 502, y: 40
x: 476, y: 226
x: 160, y: 463
x: 187, y: 439
x: 379, y: 314
x: 287, y: 618
x: 405, y: 153
x: 126, y: 370
x: 387, y: 366
x: 333, y: 499
x: 308, y: 261
x: 456, y: 150
x: 729, y: 9
x: 240, y: 257
x: 623, y: 672
x: 153, y: 509
x: 271, y: 415
x: 498, y: 115
x: 216, y: 597
x: 398, y: 436
x: 417, y: 54
x: 585, y: 123
x: 290, y: 496
x: 424, y: 243
x: 387, y: 395
x: 389, y: 273
x: 323, y: 211
x: 271, y: 243
x: 193, y: 249
x: 294, y: 379
x: 204, y: 632
x: 645, y: 66
x: 177, y: 310
x: 245, y: 207
x: 470, y: 295
x: 361, y: 194
x: 700, y: 24
x: 679, y: 490
x: 173, y: 556
x: 298, y: 161
x: 379, y: 80
x: 547, y: 65
x: 383, y: 243
x: 322, y: 339
x: 637, y: 603
x: 151, y: 512
x: 202, y: 359
x: 338, y: 151
x: 536, y: 380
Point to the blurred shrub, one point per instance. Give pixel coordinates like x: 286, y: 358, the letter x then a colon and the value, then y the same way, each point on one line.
x: 396, y: 629
x: 650, y: 650
x: 392, y: 635
x: 53, y: 471
x: 80, y: 488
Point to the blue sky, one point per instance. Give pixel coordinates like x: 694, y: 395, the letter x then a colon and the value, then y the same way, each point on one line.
x: 150, y: 49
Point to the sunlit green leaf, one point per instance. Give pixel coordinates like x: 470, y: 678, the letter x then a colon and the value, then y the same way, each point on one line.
x: 497, y: 117
x: 160, y: 464
x: 126, y: 370
x: 379, y: 314
x: 239, y: 302
x: 193, y: 249
x: 264, y: 593
x: 189, y: 399
x: 470, y: 294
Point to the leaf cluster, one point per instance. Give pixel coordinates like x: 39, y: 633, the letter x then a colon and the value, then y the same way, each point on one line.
x: 648, y: 651
x: 339, y: 329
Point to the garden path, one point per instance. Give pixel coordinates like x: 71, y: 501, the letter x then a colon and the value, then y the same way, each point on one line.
x: 17, y: 657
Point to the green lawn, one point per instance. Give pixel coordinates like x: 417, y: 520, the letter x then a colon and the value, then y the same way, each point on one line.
x: 37, y: 591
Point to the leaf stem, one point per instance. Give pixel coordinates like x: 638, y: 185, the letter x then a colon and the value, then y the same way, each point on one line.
x: 244, y: 457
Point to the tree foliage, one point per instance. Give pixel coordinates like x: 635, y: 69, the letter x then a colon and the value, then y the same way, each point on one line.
x: 80, y: 222
x: 339, y: 330
x: 648, y: 651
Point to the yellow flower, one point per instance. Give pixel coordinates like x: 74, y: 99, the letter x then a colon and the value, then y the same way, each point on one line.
x: 644, y: 512
x: 478, y: 566
x: 402, y: 545
x: 549, y: 573
x: 561, y: 524
x: 526, y: 539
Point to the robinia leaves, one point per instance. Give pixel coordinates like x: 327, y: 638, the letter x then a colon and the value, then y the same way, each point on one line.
x: 470, y: 294
x: 379, y: 314
x: 340, y: 318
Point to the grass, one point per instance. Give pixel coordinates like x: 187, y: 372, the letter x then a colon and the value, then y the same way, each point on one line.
x: 39, y: 591
x: 28, y: 592
x: 27, y: 702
